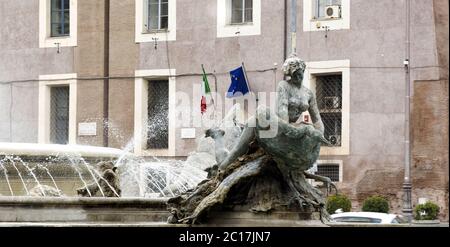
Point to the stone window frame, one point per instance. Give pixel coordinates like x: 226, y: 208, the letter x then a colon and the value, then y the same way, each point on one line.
x: 142, y: 34
x: 226, y: 29
x: 140, y: 111
x: 45, y: 38
x: 311, y: 24
x: 333, y: 67
x: 46, y: 82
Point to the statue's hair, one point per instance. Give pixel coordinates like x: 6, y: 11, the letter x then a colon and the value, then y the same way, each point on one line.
x: 292, y: 64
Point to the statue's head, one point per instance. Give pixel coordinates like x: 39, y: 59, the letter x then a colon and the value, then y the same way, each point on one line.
x: 294, y: 67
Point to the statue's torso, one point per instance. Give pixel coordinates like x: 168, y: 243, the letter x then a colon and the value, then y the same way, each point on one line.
x: 298, y: 101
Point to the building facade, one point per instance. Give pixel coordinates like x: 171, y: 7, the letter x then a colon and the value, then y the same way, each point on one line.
x: 109, y: 73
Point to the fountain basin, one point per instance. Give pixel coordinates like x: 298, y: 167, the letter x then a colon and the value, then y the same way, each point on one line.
x: 79, y: 209
x: 84, y: 211
x: 44, y: 150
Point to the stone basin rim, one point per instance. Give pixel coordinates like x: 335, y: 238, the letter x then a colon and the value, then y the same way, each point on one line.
x: 29, y: 200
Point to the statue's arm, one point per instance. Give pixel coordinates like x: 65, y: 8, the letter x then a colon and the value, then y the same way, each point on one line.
x: 314, y: 113
x: 241, y: 147
x: 283, y: 102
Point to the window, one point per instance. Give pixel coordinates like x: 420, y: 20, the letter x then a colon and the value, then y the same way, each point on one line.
x: 241, y: 11
x: 329, y: 102
x: 59, y: 115
x: 57, y: 109
x: 158, y: 15
x: 330, y: 81
x: 322, y: 15
x: 58, y: 23
x: 331, y: 171
x: 154, y: 112
x: 356, y: 219
x: 155, y: 20
x: 321, y: 8
x: 238, y: 18
x: 60, y: 18
x: 158, y: 115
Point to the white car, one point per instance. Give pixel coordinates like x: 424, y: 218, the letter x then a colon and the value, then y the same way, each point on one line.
x: 367, y: 217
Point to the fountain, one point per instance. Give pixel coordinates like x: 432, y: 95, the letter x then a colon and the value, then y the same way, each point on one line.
x: 42, y: 183
x: 235, y: 169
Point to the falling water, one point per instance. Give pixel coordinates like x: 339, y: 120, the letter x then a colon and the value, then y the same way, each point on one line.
x: 75, y: 167
x: 31, y: 173
x: 92, y: 175
x: 7, y: 179
x: 126, y: 151
x: 18, y: 172
x: 100, y: 176
x: 51, y: 177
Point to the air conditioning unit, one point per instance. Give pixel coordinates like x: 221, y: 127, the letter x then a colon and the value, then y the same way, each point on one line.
x: 332, y: 102
x: 333, y: 11
x: 334, y: 139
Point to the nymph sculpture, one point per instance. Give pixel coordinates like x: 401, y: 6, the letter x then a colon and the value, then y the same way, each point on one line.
x: 267, y: 172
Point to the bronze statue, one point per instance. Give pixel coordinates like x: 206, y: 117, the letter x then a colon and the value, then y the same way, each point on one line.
x: 267, y: 173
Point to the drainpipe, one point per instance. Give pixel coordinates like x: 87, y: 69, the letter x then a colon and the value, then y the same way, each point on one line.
x: 407, y: 185
x: 285, y: 31
x: 106, y: 76
x: 293, y: 26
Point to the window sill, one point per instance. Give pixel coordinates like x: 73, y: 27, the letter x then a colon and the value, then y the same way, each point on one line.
x: 59, y: 37
x: 159, y: 35
x: 61, y: 41
x: 156, y: 31
x: 240, y: 24
x: 326, y: 19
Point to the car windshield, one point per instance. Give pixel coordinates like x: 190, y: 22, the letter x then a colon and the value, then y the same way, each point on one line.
x: 399, y: 220
x: 356, y: 219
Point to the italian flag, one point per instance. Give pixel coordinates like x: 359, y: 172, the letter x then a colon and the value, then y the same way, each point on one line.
x: 206, y: 93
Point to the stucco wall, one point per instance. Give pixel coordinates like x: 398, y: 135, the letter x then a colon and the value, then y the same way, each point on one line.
x: 123, y: 60
x: 22, y: 59
x: 441, y: 21
x: 89, y: 63
x: 197, y: 44
x: 375, y: 46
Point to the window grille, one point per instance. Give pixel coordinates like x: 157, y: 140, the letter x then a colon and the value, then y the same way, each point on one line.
x: 158, y: 14
x: 59, y: 122
x: 322, y: 4
x: 329, y: 101
x: 330, y: 171
x: 158, y: 115
x: 241, y: 11
x: 60, y: 18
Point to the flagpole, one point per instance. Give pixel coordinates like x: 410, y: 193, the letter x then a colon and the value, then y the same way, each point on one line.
x: 215, y: 89
x: 248, y: 82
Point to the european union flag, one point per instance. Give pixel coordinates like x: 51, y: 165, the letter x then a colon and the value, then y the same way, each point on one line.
x: 239, y: 85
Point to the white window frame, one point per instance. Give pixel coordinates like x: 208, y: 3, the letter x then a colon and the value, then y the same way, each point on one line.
x: 226, y: 29
x: 46, y: 82
x: 337, y: 162
x: 332, y: 67
x: 143, y: 35
x: 311, y: 24
x: 140, y: 111
x: 45, y: 39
